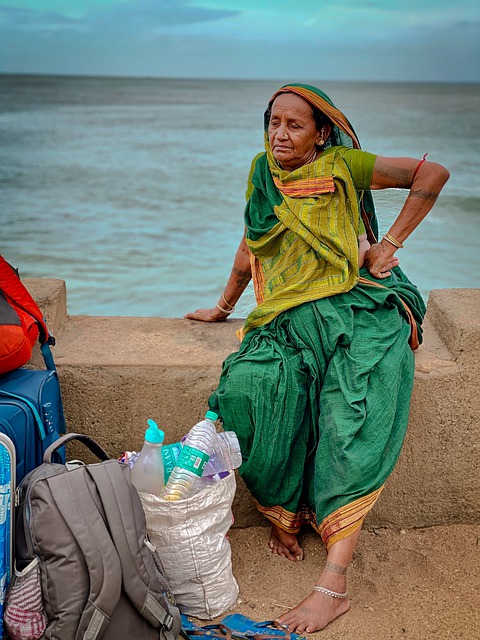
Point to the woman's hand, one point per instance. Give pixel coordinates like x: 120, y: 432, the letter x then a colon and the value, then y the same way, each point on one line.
x: 207, y: 315
x: 239, y: 278
x: 379, y: 259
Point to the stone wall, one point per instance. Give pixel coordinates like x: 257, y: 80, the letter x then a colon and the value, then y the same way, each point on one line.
x: 116, y: 372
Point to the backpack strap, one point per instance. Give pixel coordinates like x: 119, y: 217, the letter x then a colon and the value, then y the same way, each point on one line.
x: 127, y: 526
x: 73, y: 493
x: 47, y: 356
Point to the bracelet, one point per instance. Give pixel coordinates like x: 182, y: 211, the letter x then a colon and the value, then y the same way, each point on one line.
x: 392, y: 240
x: 225, y: 311
x: 419, y: 165
x: 229, y: 306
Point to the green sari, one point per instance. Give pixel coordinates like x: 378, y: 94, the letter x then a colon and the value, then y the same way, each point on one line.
x: 319, y: 390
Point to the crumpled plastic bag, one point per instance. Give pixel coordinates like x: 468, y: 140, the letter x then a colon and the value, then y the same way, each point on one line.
x: 25, y: 617
x: 191, y: 540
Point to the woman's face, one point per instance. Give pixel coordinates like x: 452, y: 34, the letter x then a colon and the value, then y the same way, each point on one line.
x: 292, y: 131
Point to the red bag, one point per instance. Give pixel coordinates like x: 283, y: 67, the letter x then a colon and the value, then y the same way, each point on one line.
x: 21, y: 321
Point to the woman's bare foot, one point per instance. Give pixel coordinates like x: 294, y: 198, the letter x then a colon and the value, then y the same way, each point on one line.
x: 320, y: 608
x: 314, y: 613
x: 285, y: 544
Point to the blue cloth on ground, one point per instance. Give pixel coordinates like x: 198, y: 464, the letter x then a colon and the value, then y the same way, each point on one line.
x: 241, y: 627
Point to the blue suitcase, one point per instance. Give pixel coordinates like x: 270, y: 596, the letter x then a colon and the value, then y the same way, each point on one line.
x: 31, y: 412
x: 7, y: 490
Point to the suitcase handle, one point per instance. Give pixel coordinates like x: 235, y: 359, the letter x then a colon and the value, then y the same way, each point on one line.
x: 94, y: 447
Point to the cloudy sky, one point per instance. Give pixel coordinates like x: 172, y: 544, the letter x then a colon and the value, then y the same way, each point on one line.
x: 418, y: 40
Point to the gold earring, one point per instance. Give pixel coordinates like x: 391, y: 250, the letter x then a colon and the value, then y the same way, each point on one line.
x: 321, y: 142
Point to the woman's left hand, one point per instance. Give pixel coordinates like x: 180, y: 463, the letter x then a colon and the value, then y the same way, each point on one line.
x: 207, y: 315
x: 379, y: 259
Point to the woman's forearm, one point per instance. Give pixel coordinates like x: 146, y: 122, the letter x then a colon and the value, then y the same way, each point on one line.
x: 425, y: 185
x: 425, y: 182
x: 240, y: 276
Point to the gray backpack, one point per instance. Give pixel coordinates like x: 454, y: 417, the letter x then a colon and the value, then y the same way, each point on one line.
x: 99, y: 575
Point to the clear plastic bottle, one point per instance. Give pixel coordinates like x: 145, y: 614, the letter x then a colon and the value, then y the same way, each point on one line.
x: 185, y: 478
x: 147, y: 473
x: 226, y: 454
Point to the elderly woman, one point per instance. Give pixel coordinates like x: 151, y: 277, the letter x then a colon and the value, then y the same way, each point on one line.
x: 319, y: 390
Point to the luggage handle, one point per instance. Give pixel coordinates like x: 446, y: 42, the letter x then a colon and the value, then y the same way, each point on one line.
x: 94, y: 447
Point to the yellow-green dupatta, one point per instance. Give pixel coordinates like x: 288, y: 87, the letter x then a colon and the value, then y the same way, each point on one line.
x: 302, y: 226
x: 312, y: 252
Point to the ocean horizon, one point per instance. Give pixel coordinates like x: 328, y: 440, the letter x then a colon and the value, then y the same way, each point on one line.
x: 278, y: 80
x: 132, y: 189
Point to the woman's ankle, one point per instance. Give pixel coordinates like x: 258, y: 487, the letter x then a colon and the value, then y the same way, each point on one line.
x: 332, y: 580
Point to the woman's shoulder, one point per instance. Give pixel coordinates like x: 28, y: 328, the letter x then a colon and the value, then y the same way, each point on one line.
x: 253, y: 166
x: 360, y: 164
x: 260, y: 159
x: 346, y: 152
x: 257, y: 157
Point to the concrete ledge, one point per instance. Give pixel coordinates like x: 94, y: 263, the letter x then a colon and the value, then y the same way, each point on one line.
x: 437, y: 479
x: 455, y: 316
x: 51, y: 297
x: 117, y: 372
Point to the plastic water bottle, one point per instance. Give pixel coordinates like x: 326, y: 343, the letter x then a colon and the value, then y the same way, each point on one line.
x: 226, y: 454
x: 185, y: 478
x: 147, y: 473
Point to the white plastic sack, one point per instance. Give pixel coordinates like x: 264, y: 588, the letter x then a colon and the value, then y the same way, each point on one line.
x: 191, y: 540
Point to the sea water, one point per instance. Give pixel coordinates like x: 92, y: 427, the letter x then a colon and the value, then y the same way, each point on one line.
x: 132, y: 190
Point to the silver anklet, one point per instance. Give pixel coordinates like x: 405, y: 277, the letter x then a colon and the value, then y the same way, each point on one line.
x: 334, y: 594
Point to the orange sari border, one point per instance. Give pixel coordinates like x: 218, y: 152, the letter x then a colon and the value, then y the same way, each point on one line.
x: 286, y: 520
x: 258, y: 279
x: 345, y: 520
x: 338, y: 525
x: 305, y: 188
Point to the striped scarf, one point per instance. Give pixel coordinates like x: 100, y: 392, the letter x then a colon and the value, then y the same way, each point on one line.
x: 312, y: 251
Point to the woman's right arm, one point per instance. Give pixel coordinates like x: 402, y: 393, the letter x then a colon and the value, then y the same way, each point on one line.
x: 237, y: 283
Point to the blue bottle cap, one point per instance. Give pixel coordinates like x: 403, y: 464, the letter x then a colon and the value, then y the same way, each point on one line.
x: 153, y: 434
x: 211, y: 415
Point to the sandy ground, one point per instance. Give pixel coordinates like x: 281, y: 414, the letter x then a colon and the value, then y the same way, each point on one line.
x: 421, y: 584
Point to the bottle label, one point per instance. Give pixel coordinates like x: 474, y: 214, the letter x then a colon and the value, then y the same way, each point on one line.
x: 170, y: 454
x: 193, y: 460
